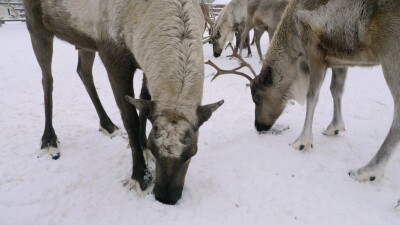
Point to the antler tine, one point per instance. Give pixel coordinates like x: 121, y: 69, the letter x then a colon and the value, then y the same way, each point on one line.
x: 222, y: 72
x: 243, y: 63
x: 206, y: 40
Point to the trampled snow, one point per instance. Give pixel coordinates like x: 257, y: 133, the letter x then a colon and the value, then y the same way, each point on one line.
x: 237, y: 176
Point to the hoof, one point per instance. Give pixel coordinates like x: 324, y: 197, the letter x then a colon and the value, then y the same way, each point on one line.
x: 334, y: 130
x: 144, y: 180
x: 55, y: 156
x: 363, y: 175
x: 302, y: 144
x: 54, y: 152
x: 109, y: 129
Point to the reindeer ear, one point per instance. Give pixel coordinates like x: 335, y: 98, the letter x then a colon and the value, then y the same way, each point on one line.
x: 204, y: 112
x: 305, y: 18
x: 144, y: 106
x: 266, y: 76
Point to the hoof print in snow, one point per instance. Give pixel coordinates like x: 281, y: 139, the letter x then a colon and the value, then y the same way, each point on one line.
x: 398, y: 204
x: 111, y: 132
x: 131, y: 184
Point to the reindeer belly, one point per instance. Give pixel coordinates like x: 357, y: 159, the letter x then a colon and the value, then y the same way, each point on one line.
x: 361, y: 58
x: 76, y: 22
x: 71, y: 34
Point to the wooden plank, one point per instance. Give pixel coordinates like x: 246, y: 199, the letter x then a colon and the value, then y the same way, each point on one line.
x: 2, y: 20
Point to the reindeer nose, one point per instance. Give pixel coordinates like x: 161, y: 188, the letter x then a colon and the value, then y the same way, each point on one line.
x: 216, y: 54
x: 168, y: 196
x: 261, y: 127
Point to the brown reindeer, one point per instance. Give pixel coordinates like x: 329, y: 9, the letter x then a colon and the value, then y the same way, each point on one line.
x: 162, y: 38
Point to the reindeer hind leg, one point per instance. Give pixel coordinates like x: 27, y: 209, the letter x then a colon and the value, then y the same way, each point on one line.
x: 84, y: 70
x: 375, y: 168
x: 257, y: 35
x: 337, y: 87
x: 248, y: 47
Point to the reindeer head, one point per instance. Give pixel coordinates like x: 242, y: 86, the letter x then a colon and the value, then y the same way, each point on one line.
x: 173, y: 142
x: 286, y: 69
x: 220, y: 35
x: 270, y: 90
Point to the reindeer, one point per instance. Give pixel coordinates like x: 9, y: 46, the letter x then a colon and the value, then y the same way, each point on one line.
x: 307, y: 42
x: 162, y: 38
x: 231, y: 20
x: 262, y: 15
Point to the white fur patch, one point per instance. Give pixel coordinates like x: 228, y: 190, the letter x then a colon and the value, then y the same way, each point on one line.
x: 169, y: 136
x: 299, y: 88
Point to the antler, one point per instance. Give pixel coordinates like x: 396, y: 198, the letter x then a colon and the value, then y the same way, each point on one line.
x: 206, y: 39
x: 209, y: 20
x: 206, y: 13
x: 235, y: 70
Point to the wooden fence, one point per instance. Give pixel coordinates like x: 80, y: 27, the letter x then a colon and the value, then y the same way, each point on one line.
x: 17, y: 6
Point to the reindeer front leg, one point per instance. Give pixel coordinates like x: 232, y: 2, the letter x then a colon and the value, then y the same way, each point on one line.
x: 317, y: 75
x: 121, y: 79
x: 84, y: 70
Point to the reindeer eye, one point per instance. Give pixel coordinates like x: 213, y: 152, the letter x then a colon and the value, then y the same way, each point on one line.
x: 187, y: 138
x: 156, y: 132
x: 218, y: 35
x: 256, y: 99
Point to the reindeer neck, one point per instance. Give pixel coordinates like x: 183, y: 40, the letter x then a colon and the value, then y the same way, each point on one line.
x: 171, y: 52
x: 282, y: 57
x: 281, y: 46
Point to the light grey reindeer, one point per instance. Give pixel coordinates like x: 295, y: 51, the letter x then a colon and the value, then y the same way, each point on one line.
x: 308, y: 41
x: 162, y: 38
x: 262, y: 15
x: 231, y: 20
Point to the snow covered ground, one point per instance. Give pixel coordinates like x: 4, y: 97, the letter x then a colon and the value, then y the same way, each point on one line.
x: 237, y: 177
